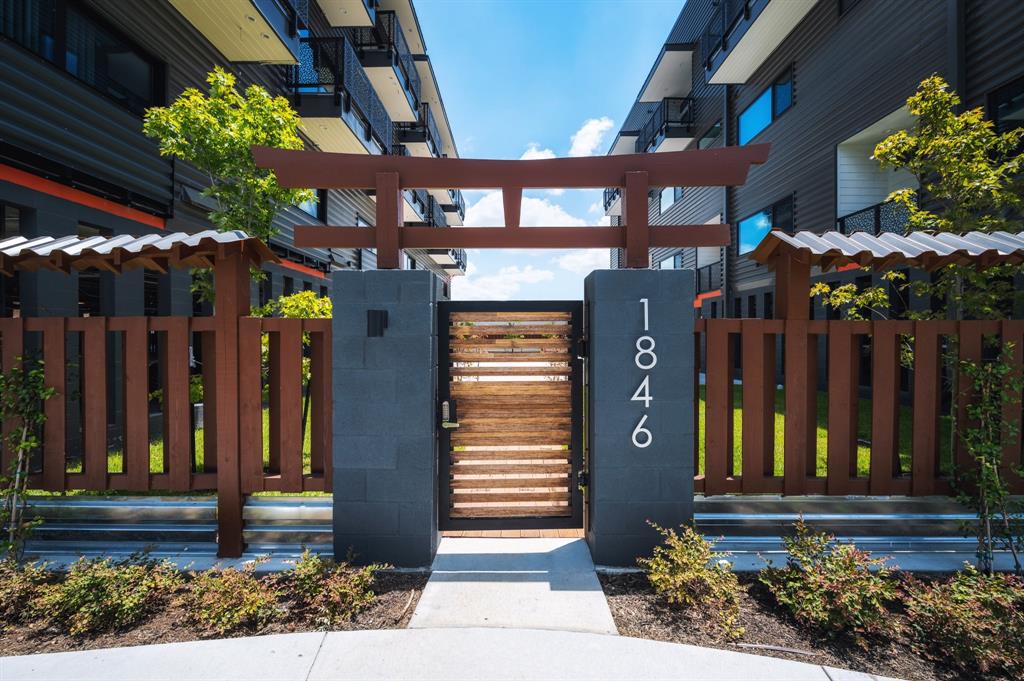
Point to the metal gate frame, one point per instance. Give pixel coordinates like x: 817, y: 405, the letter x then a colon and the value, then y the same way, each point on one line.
x: 574, y: 521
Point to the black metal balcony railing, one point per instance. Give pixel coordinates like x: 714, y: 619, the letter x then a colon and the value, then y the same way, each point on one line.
x: 611, y: 195
x: 386, y: 34
x: 887, y: 216
x: 436, y: 217
x: 330, y: 66
x: 724, y: 18
x: 458, y: 201
x: 459, y: 255
x: 708, y: 277
x: 673, y: 112
x: 424, y: 125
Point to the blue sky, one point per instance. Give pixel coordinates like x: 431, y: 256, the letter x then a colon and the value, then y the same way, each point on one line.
x: 542, y: 78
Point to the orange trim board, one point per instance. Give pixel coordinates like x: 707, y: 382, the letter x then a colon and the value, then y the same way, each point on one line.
x: 302, y: 268
x: 699, y: 300
x: 41, y: 184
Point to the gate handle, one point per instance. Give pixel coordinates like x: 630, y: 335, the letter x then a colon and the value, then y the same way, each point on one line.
x: 448, y: 415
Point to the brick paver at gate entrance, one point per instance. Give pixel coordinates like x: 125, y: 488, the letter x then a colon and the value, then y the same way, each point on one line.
x: 529, y: 583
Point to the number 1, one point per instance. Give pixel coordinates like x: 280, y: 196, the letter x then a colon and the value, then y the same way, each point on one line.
x: 643, y: 301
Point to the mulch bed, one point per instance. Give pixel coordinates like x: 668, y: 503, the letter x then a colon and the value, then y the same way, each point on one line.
x: 641, y: 613
x: 396, y: 596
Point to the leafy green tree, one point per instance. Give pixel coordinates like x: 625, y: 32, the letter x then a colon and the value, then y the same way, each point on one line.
x: 214, y: 132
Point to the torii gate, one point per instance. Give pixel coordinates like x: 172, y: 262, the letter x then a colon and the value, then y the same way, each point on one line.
x: 634, y: 173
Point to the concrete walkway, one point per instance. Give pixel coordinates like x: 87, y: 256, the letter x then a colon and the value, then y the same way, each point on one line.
x: 514, y: 583
x: 442, y: 654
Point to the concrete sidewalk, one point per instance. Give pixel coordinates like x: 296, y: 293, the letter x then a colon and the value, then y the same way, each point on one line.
x: 514, y: 583
x: 442, y: 654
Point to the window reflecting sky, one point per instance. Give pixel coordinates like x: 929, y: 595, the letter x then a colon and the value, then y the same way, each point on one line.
x: 752, y: 230
x: 756, y: 117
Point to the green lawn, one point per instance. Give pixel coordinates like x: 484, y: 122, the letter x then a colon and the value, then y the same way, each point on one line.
x: 863, y: 433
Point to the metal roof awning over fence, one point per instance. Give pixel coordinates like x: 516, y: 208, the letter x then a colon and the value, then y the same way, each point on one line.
x: 927, y: 250
x: 157, y: 252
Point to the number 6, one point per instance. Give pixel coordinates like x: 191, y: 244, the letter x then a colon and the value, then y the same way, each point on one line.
x: 641, y: 431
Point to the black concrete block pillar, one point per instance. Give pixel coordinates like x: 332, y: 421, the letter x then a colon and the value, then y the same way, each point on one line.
x: 640, y: 374
x: 385, y: 416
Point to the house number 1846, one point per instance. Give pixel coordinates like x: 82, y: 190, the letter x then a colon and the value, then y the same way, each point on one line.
x: 645, y: 360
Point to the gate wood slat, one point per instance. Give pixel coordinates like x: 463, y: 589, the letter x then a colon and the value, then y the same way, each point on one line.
x: 506, y: 343
x: 509, y: 357
x: 925, y: 469
x: 718, y: 410
x: 54, y: 375
x: 12, y: 336
x: 510, y: 512
x: 504, y: 497
x: 511, y: 371
x: 503, y: 421
x: 801, y: 406
x: 503, y: 483
x: 94, y: 399
x: 462, y: 331
x: 136, y: 399
x: 530, y: 389
x: 506, y: 439
x: 510, y: 469
x: 177, y: 430
x: 528, y: 454
x: 320, y: 398
x: 250, y: 403
x: 843, y: 400
x: 487, y: 316
x: 481, y: 408
x: 758, y: 351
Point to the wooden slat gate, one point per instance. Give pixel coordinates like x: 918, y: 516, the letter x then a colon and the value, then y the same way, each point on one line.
x: 512, y: 379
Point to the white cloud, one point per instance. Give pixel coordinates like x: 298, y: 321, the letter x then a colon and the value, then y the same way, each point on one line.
x: 501, y: 286
x: 534, y: 152
x: 589, y: 137
x: 489, y: 211
x: 584, y: 260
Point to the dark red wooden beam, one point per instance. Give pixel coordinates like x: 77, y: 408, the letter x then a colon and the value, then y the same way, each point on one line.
x: 725, y: 166
x: 677, y: 236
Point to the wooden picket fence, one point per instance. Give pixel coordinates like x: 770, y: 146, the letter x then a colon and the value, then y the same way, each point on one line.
x: 804, y: 466
x: 275, y: 465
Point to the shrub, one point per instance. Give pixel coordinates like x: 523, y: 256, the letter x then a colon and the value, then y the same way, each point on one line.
x: 331, y: 592
x: 833, y: 587
x: 227, y: 600
x: 19, y: 586
x: 686, y: 571
x: 973, y: 620
x: 103, y: 595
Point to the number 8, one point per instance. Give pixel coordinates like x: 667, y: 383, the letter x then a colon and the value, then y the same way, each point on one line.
x: 649, y: 351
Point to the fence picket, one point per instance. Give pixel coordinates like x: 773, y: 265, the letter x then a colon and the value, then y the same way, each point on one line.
x: 250, y: 403
x: 320, y: 395
x: 136, y: 399
x: 758, y: 354
x: 12, y: 337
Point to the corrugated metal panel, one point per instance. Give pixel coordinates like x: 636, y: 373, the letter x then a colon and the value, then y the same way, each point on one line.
x: 927, y: 250
x: 73, y: 252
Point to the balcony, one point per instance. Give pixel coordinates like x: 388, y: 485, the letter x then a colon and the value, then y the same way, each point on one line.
x: 349, y: 12
x: 709, y: 277
x: 452, y: 260
x: 388, y: 62
x: 887, y: 216
x: 454, y: 208
x: 743, y: 33
x: 261, y: 31
x: 422, y: 137
x: 613, y: 201
x: 339, y: 109
x: 670, y: 127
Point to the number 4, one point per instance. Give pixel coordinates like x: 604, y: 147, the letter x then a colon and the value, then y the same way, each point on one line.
x: 643, y: 392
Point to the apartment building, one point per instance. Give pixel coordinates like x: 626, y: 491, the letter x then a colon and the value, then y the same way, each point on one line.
x: 823, y: 81
x: 77, y: 75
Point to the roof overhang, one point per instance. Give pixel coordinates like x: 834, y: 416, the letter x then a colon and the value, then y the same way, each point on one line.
x: 672, y: 74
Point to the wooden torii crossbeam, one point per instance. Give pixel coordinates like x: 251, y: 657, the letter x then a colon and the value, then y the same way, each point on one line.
x: 636, y: 174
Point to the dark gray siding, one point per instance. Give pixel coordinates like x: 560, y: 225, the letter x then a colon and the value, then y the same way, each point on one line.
x: 993, y: 46
x: 849, y: 72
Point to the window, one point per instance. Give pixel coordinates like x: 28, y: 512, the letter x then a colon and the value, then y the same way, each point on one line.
x: 323, y: 291
x: 769, y: 306
x: 10, y: 297
x: 289, y: 286
x: 92, y: 52
x: 769, y: 105
x: 91, y: 301
x: 10, y: 221
x: 711, y: 136
x: 1006, y: 106
x: 151, y: 294
x: 316, y: 207
x: 754, y: 228
x: 666, y: 199
x: 752, y: 307
x: 307, y: 286
x: 266, y: 288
